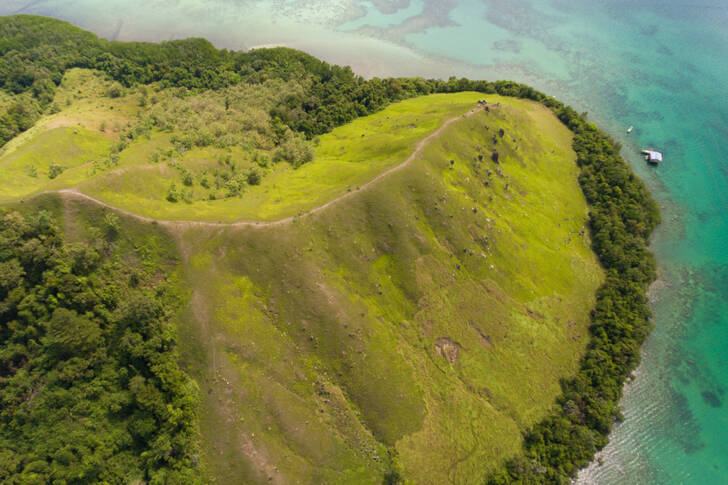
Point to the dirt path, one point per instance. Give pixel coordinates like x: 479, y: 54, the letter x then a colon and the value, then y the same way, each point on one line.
x: 190, y: 224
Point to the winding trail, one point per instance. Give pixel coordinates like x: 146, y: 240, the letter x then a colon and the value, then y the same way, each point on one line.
x: 183, y: 224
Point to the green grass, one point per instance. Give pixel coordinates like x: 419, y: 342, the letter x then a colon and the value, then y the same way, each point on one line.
x: 26, y: 170
x: 346, y: 158
x: 72, y: 138
x: 324, y: 333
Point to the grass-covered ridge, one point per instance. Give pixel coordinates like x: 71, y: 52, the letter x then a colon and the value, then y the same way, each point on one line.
x: 134, y: 155
x: 418, y: 328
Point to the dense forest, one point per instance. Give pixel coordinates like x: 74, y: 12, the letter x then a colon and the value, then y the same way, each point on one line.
x: 90, y: 389
x: 34, y: 54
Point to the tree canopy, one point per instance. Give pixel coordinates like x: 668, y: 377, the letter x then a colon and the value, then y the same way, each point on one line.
x: 90, y: 389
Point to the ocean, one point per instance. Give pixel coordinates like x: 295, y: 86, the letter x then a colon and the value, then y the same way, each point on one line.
x: 661, y: 66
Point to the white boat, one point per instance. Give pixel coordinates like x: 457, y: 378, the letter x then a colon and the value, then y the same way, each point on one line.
x: 652, y: 156
x: 629, y: 130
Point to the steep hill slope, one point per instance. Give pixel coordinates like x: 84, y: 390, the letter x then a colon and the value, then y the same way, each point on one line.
x: 419, y: 325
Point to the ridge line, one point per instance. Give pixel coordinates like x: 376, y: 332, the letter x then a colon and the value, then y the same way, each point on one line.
x: 73, y: 192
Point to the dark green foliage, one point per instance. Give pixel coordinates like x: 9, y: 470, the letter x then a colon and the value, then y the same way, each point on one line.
x: 253, y: 177
x: 111, y: 226
x: 35, y: 49
x: 90, y: 390
x: 17, y: 118
x: 114, y: 92
x: 230, y: 178
x: 187, y: 179
x: 294, y: 150
x: 54, y: 170
x: 173, y: 194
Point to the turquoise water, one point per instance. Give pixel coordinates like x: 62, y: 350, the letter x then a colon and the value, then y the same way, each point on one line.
x: 374, y: 17
x: 661, y: 66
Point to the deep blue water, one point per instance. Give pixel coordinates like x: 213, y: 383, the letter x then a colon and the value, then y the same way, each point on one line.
x: 661, y: 66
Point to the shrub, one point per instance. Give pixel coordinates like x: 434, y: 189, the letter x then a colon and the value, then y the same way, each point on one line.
x: 54, y: 170
x: 295, y: 150
x: 187, y: 177
x: 114, y: 92
x: 173, y: 194
x: 253, y: 177
x: 111, y: 226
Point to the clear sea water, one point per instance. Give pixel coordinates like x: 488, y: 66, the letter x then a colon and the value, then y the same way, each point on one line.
x: 661, y: 66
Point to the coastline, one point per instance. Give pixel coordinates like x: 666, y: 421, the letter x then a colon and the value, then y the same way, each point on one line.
x: 603, y: 116
x: 619, y: 227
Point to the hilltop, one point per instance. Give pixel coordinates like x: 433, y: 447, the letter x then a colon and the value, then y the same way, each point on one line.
x: 420, y: 318
x: 363, y: 281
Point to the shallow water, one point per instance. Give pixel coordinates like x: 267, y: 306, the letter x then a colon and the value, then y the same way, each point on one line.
x: 660, y: 66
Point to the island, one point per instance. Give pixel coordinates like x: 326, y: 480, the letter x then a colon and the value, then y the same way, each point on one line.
x: 256, y: 267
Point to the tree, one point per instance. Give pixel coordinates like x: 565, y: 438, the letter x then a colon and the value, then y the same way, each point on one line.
x: 111, y: 226
x: 90, y: 356
x: 173, y: 194
x: 253, y: 177
x: 69, y: 335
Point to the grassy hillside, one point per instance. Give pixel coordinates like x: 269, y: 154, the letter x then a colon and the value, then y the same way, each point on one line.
x: 134, y: 155
x: 420, y: 325
x: 347, y: 157
x: 100, y: 130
